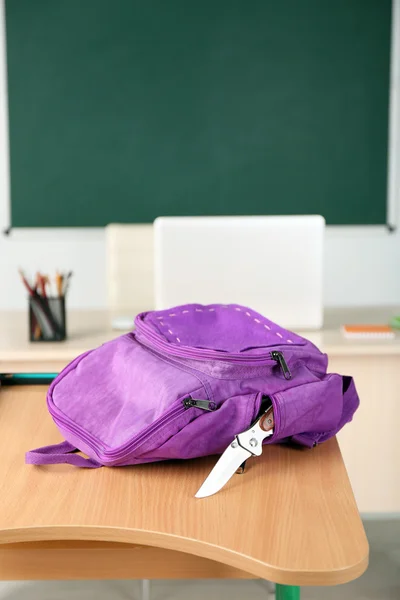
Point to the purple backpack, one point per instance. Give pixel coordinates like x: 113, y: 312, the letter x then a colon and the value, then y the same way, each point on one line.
x: 185, y: 382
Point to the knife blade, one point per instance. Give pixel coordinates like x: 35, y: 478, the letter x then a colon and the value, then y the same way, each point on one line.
x: 223, y: 470
x: 246, y: 444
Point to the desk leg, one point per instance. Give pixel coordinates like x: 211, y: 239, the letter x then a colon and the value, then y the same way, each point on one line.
x: 287, y: 592
x: 145, y: 589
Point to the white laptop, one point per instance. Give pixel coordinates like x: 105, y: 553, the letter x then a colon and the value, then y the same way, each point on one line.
x: 271, y: 264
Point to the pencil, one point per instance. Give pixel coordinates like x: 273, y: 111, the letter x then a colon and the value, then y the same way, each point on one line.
x: 25, y: 282
x: 42, y: 285
x: 59, y: 284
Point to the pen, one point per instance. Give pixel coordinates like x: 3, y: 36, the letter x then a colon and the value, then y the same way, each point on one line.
x: 42, y: 284
x: 67, y: 279
x: 32, y: 292
x: 49, y: 286
x: 27, y: 378
x: 37, y: 332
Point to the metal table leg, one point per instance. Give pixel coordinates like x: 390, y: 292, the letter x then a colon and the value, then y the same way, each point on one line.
x: 287, y: 592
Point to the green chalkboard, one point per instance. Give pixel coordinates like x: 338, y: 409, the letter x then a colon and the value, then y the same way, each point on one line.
x: 124, y: 110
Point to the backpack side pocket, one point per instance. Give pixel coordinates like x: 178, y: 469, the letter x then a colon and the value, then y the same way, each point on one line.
x: 314, y: 412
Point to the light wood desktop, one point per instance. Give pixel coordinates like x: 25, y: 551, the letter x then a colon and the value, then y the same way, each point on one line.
x: 290, y: 518
x: 375, y: 365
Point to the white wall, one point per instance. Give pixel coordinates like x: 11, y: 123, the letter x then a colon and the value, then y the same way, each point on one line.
x: 362, y: 264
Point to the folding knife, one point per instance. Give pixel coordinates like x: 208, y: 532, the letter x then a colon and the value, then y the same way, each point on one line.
x: 245, y: 445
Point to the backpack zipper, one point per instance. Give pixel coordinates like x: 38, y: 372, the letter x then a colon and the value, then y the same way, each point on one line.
x: 207, y: 405
x: 278, y: 356
x: 275, y: 355
x: 152, y: 340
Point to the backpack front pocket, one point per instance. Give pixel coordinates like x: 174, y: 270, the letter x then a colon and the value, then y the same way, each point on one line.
x: 114, y: 394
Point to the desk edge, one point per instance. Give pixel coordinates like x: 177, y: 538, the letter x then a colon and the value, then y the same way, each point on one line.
x: 196, y: 547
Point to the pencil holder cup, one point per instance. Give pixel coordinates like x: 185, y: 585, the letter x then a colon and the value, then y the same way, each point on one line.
x: 47, y: 319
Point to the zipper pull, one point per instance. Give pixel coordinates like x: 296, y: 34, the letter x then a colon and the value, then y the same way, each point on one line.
x: 278, y: 356
x: 203, y: 404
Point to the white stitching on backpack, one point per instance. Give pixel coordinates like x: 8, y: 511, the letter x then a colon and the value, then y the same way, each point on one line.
x: 237, y: 308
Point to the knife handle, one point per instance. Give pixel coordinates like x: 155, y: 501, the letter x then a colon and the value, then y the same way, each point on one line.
x: 267, y: 420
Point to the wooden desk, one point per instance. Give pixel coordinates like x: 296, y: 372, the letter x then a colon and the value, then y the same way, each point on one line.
x: 86, y: 330
x: 290, y: 518
x: 375, y: 366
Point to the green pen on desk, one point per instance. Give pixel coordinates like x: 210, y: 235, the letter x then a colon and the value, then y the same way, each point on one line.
x: 27, y: 378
